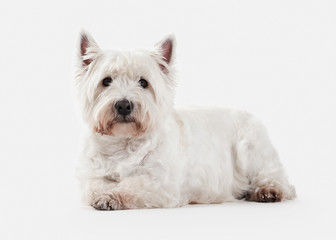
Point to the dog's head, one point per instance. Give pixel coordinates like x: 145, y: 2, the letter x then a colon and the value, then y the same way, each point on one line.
x: 125, y: 93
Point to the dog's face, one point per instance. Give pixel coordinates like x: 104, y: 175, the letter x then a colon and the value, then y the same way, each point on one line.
x: 125, y: 94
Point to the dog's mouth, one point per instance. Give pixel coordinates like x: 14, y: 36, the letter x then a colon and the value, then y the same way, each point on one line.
x: 121, y: 126
x: 124, y: 120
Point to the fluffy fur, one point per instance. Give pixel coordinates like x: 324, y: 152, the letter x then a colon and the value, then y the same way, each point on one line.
x: 158, y: 156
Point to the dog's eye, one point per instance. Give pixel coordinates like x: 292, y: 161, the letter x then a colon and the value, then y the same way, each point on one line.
x: 143, y: 83
x: 107, y: 81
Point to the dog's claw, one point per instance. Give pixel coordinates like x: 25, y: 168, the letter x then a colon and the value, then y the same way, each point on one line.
x: 264, y: 195
x: 102, y: 202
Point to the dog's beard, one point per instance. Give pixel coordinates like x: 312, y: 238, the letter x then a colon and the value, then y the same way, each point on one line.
x: 112, y: 124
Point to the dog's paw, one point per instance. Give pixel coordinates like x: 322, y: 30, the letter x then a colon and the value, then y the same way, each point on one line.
x: 105, y: 202
x: 269, y: 195
x: 265, y: 194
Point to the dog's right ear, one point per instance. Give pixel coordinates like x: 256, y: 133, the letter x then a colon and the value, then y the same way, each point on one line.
x: 88, y: 49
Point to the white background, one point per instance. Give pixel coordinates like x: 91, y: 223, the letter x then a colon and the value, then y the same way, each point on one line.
x: 276, y: 59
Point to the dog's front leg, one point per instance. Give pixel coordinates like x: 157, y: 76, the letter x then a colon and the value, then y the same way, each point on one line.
x: 94, y: 190
x: 137, y: 192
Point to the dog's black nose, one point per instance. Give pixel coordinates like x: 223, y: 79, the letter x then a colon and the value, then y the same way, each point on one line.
x: 124, y: 107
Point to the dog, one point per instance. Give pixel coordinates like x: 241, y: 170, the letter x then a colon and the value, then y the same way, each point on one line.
x: 141, y: 152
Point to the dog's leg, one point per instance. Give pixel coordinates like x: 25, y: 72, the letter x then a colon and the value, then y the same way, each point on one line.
x: 96, y: 192
x: 133, y: 193
x: 267, y: 179
x: 270, y: 189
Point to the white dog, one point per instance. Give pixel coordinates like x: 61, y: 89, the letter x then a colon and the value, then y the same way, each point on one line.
x: 143, y: 153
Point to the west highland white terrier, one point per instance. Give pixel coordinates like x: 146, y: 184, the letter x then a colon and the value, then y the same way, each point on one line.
x: 141, y: 152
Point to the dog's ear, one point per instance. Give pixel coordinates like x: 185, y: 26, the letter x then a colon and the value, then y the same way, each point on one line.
x: 165, y: 53
x: 88, y: 49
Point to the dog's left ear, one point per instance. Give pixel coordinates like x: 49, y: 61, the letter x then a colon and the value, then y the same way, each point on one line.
x: 88, y: 49
x: 164, y: 53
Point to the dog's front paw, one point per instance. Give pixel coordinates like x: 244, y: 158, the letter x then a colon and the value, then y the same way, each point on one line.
x: 105, y: 202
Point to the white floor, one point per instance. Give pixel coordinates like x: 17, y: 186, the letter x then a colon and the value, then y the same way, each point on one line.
x: 56, y: 213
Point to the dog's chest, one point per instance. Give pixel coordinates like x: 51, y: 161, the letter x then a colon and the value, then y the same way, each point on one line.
x: 117, y: 160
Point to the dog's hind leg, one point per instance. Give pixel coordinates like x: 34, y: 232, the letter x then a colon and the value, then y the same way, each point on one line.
x: 270, y: 185
x: 266, y: 176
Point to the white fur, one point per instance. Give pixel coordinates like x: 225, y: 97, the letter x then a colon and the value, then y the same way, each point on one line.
x: 181, y: 156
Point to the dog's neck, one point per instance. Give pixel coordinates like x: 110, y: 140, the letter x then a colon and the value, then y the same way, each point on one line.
x: 110, y: 145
